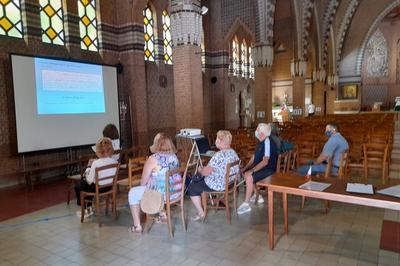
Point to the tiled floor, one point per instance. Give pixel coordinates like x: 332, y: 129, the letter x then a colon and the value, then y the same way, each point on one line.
x: 347, y: 235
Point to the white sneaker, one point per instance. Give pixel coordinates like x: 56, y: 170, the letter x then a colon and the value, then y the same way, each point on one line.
x: 259, y: 201
x: 245, y: 207
x: 88, y: 213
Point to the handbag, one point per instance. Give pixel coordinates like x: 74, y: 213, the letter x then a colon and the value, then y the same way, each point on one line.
x: 152, y: 201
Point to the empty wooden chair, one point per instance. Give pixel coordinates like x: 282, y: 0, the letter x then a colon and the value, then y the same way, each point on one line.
x: 106, y: 187
x: 376, y: 157
x: 135, y: 168
x: 224, y: 196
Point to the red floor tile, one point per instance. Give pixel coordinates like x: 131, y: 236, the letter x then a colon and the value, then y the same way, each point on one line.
x: 17, y: 201
x: 390, y: 236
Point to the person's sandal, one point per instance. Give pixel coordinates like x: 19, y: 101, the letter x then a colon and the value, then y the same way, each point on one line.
x: 161, y: 219
x: 198, y: 217
x: 135, y: 229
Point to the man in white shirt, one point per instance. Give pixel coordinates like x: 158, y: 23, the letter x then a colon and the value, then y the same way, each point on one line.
x: 311, y: 110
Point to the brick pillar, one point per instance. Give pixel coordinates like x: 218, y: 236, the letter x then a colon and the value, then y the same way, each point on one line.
x: 186, y: 25
x: 263, y: 56
x: 318, y: 92
x: 263, y: 93
x: 330, y: 99
x: 299, y: 93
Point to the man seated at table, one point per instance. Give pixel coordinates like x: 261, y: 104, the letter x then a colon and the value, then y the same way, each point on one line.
x: 335, y: 146
x: 261, y: 165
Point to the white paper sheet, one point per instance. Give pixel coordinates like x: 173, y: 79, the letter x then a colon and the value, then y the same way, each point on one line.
x: 391, y: 191
x: 360, y: 188
x: 317, y: 186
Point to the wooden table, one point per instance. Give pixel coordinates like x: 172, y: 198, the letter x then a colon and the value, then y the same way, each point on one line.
x: 288, y: 183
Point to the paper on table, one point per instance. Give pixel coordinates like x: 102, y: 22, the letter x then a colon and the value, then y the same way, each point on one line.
x: 317, y: 186
x: 360, y: 188
x: 391, y: 191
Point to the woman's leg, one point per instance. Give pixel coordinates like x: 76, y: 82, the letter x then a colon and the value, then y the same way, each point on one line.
x: 197, y: 203
x: 134, y: 197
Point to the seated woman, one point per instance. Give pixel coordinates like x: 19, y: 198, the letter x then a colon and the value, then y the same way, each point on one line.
x: 110, y: 131
x: 214, y: 172
x: 104, y: 152
x: 153, y: 176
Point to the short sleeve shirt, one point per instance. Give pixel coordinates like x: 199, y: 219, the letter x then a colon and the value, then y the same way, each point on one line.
x: 335, y: 145
x: 216, y: 180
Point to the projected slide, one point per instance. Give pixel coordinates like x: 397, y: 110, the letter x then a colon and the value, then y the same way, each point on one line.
x: 68, y: 87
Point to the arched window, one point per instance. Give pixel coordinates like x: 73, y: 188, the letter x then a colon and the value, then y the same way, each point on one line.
x: 51, y: 20
x: 251, y: 64
x: 167, y: 38
x: 88, y: 24
x: 10, y: 18
x: 244, y: 68
x: 149, y: 51
x: 235, y: 57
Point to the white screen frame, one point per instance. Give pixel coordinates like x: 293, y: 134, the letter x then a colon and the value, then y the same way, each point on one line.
x: 44, y: 132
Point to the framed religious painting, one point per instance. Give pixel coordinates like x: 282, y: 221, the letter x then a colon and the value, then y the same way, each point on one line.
x: 349, y: 91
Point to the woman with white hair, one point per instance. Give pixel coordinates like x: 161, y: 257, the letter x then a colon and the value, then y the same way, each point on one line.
x: 261, y: 165
x: 214, y: 173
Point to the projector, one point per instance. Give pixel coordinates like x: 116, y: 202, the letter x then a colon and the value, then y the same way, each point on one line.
x: 190, y: 132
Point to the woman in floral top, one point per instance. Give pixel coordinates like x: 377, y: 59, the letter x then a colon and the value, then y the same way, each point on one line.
x: 214, y: 172
x: 153, y: 176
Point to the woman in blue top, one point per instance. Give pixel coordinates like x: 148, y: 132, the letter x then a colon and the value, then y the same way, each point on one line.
x: 214, y: 172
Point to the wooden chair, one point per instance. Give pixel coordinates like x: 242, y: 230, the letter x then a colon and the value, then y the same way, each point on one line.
x: 218, y: 196
x: 106, y: 187
x: 168, y: 202
x: 135, y: 168
x: 376, y: 157
x: 305, y: 152
x: 72, y: 180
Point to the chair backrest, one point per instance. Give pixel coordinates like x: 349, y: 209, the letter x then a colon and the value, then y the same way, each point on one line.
x: 106, y: 176
x: 375, y: 152
x: 328, y: 168
x: 135, y: 167
x: 231, y: 175
x: 282, y: 162
x: 343, y: 161
x: 182, y: 171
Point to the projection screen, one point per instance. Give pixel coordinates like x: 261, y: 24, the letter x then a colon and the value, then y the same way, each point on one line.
x: 61, y: 103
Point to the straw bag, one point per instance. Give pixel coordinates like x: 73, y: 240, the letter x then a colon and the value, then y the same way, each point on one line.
x: 152, y: 201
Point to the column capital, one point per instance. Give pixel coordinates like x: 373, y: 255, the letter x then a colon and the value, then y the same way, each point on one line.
x: 186, y: 22
x: 263, y: 55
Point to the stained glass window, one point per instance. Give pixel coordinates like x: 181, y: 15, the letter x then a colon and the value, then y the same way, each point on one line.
x: 244, y: 69
x: 51, y: 19
x: 235, y: 57
x: 167, y: 38
x: 88, y: 24
x: 251, y: 64
x: 148, y: 22
x: 10, y: 18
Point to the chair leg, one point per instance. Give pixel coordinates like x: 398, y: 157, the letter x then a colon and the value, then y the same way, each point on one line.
x: 234, y: 203
x: 98, y: 210
x: 114, y: 205
x: 257, y: 189
x: 183, y: 215
x: 327, y: 206
x: 82, y: 206
x: 107, y: 202
x: 69, y: 191
x: 204, y: 200
x: 171, y: 234
x: 228, y: 211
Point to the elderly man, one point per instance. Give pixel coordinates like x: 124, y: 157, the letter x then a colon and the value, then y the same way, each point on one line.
x: 334, y: 147
x: 261, y: 165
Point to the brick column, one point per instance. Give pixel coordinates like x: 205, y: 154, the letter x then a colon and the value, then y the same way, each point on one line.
x: 186, y: 25
x: 318, y: 92
x: 263, y: 56
x: 299, y: 93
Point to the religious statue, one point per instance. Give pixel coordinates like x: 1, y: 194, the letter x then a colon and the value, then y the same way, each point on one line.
x: 245, y: 113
